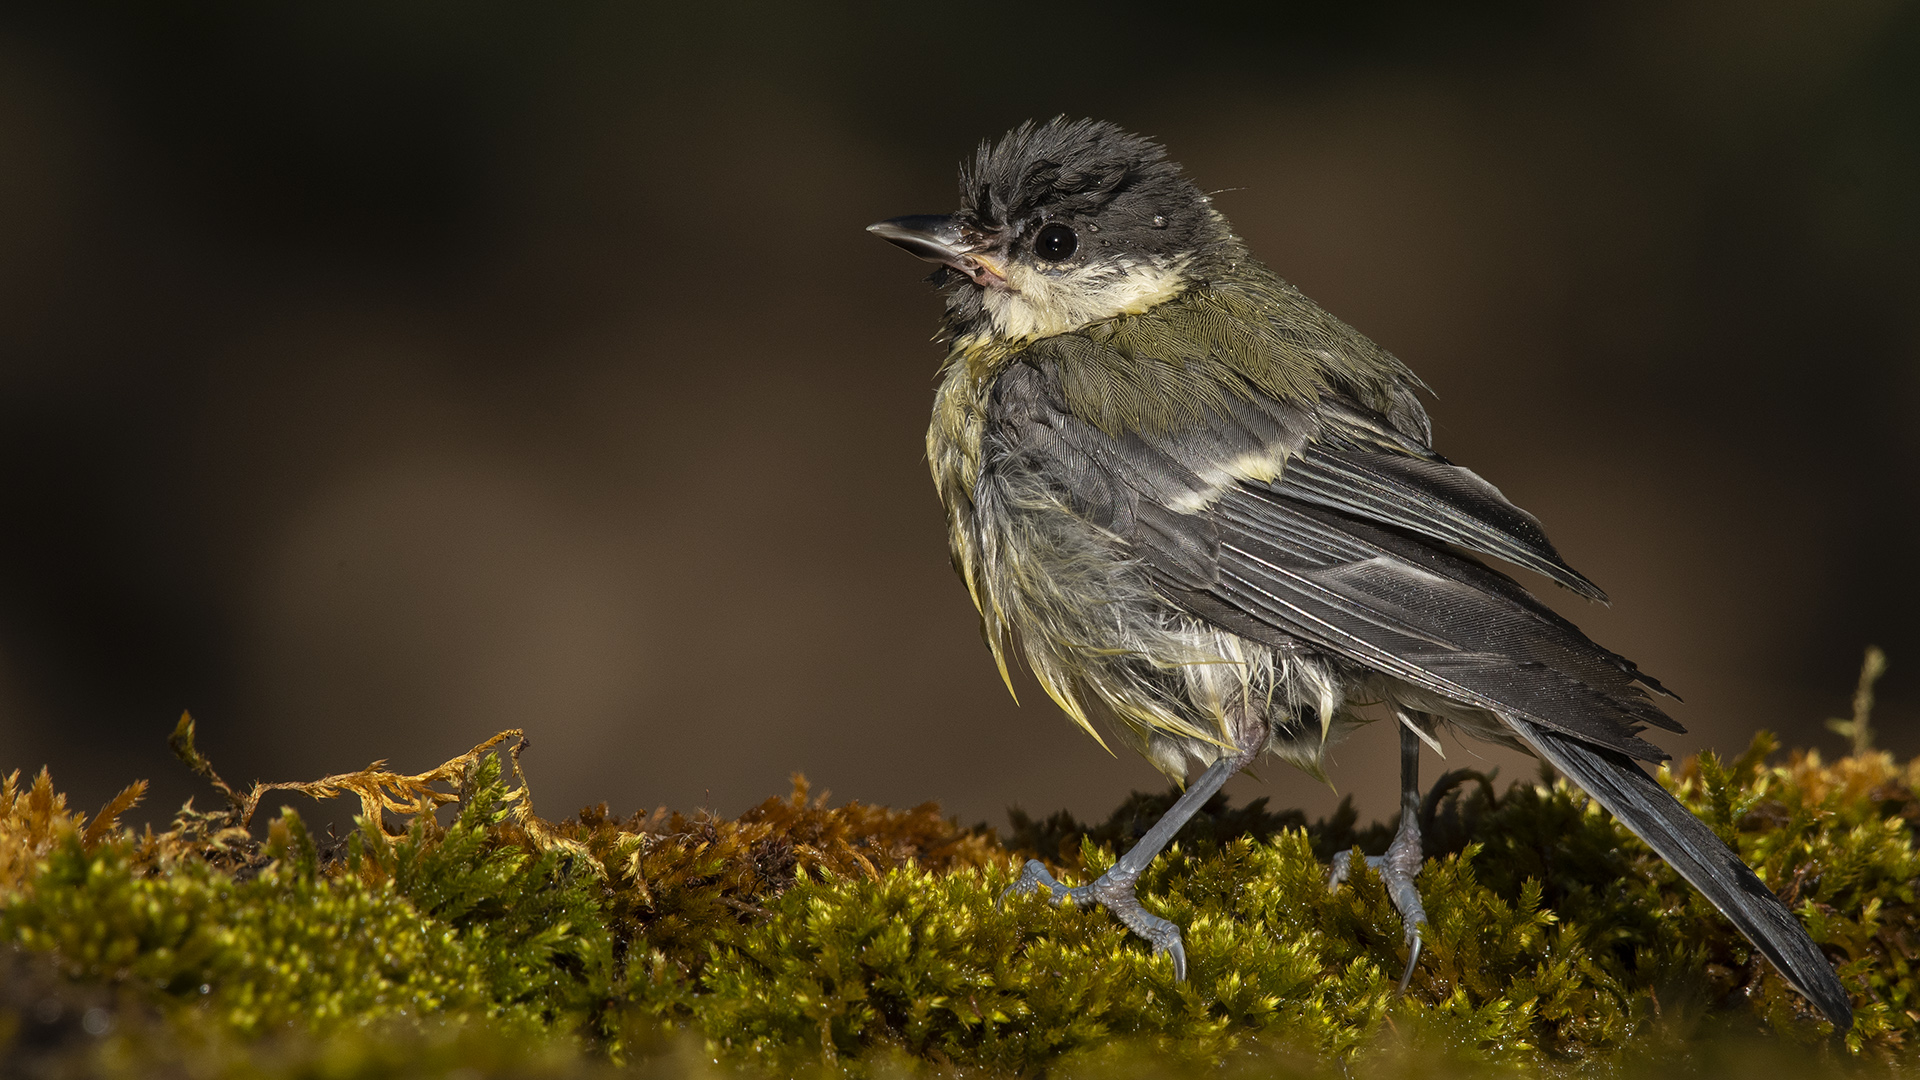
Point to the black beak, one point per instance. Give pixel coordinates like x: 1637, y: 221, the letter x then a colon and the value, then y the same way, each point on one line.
x: 940, y: 238
x: 933, y: 237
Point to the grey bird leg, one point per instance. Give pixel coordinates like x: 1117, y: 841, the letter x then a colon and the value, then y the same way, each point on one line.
x: 1113, y: 890
x: 1404, y: 856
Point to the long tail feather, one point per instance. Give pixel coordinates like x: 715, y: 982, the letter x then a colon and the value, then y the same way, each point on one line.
x: 1691, y: 848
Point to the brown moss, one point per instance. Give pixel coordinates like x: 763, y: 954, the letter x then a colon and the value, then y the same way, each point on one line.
x: 674, y: 880
x: 34, y: 818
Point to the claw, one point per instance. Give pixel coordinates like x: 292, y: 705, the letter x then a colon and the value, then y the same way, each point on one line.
x: 1032, y: 877
x: 1413, y: 956
x: 1115, y: 893
x: 1035, y: 876
x: 1178, y: 952
x: 1342, y: 866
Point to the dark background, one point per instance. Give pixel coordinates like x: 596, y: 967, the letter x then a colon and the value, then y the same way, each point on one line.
x: 378, y: 375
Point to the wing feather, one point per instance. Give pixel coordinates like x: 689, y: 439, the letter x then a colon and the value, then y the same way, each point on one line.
x: 1275, y: 564
x: 1363, y: 467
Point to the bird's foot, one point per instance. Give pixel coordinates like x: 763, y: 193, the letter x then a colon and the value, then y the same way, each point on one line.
x: 1035, y: 876
x: 1397, y: 869
x: 1113, y: 891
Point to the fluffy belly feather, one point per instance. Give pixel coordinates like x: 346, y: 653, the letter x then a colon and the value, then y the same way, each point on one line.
x: 1104, y: 644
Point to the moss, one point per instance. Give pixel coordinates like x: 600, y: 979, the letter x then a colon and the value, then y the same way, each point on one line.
x: 452, y: 922
x: 679, y: 885
x: 455, y: 929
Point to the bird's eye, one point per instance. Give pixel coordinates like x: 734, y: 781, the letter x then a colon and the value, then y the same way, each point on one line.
x: 1055, y: 242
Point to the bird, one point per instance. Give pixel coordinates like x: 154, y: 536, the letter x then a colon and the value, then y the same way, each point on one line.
x: 1208, y: 514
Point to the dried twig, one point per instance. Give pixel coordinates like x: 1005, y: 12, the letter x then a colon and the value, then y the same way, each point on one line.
x: 1860, y: 727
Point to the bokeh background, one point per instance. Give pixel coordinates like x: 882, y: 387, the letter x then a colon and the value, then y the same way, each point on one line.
x: 378, y: 375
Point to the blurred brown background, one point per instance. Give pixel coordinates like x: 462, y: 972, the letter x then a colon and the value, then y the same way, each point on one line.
x: 378, y: 375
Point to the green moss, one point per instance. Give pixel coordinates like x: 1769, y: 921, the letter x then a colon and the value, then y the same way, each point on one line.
x: 531, y: 919
x: 935, y: 967
x: 458, y: 924
x: 282, y: 946
x: 855, y: 940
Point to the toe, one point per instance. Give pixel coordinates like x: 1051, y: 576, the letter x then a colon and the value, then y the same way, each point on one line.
x: 1342, y: 866
x: 1033, y: 877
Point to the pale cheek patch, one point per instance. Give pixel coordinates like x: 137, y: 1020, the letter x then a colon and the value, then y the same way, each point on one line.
x: 1036, y: 304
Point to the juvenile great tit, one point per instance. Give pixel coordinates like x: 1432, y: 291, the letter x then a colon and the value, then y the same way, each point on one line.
x: 1205, y: 510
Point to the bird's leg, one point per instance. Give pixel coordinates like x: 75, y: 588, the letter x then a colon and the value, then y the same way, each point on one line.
x: 1404, y: 856
x: 1113, y: 890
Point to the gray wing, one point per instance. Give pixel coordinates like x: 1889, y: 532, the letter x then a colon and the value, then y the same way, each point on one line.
x: 1406, y: 606
x: 1374, y: 579
x: 1362, y: 466
x: 1354, y: 554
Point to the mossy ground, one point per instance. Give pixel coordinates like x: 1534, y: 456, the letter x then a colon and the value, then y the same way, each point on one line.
x: 455, y: 933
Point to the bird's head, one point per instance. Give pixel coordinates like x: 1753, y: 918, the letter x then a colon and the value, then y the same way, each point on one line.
x: 1061, y: 225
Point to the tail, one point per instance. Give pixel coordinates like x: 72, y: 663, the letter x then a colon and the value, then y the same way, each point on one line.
x: 1685, y: 842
